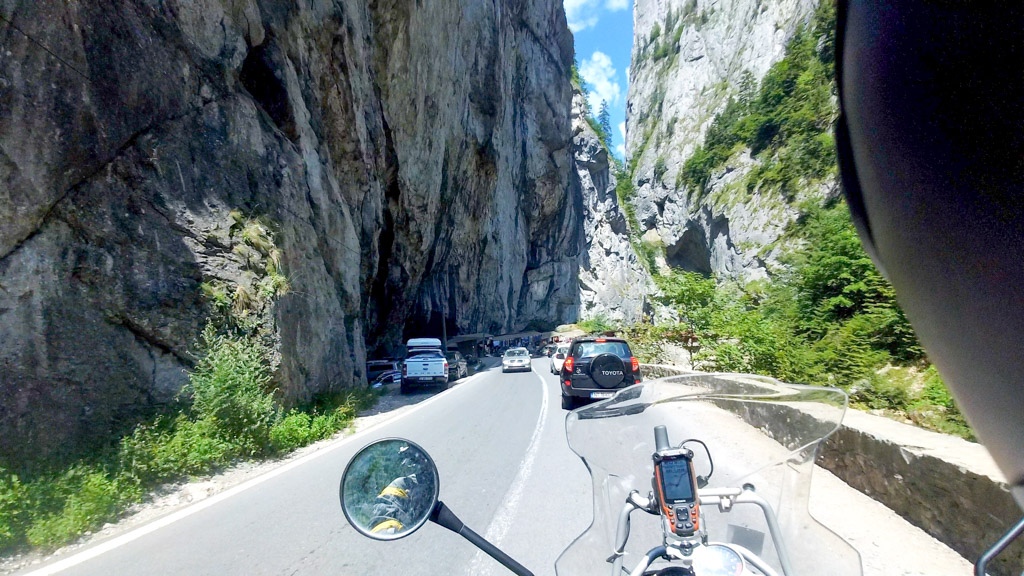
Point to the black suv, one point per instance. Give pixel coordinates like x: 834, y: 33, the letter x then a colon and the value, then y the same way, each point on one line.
x: 595, y: 368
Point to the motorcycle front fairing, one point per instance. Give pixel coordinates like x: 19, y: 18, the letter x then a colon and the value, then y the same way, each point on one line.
x: 760, y: 432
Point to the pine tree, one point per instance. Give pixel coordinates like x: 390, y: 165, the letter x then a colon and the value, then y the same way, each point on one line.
x: 604, y: 120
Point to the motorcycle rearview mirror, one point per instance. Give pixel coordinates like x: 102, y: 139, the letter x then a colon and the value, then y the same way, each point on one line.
x: 390, y: 489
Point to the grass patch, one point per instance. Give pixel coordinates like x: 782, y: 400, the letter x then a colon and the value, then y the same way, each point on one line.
x: 595, y: 325
x: 646, y: 252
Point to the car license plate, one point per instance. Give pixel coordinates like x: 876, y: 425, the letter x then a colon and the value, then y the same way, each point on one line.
x: 426, y: 378
x: 602, y: 394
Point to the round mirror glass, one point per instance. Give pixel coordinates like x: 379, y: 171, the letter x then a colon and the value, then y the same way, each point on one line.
x: 389, y: 489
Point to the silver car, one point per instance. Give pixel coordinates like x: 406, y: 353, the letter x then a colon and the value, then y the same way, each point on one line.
x: 516, y: 359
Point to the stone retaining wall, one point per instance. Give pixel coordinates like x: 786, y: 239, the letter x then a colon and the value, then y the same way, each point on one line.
x: 946, y: 486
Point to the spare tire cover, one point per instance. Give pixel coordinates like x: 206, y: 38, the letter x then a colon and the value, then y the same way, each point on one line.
x: 607, y: 370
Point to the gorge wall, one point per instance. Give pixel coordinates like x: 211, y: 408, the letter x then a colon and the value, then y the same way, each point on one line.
x: 613, y: 283
x: 689, y: 58
x: 409, y: 160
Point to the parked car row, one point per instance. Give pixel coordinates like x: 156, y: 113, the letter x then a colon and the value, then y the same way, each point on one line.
x: 424, y: 365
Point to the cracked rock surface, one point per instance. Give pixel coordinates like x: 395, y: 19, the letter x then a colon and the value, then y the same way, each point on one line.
x: 414, y: 157
x: 689, y: 57
x: 613, y: 283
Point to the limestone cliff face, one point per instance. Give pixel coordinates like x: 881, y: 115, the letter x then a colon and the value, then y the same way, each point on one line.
x: 689, y: 57
x: 414, y: 157
x: 613, y: 283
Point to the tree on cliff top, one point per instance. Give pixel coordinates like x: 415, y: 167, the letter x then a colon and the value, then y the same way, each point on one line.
x: 604, y: 118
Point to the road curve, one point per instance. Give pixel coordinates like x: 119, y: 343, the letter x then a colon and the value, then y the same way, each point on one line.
x: 495, y: 438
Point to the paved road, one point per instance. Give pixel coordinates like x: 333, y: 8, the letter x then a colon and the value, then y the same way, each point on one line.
x: 506, y: 470
x: 495, y: 438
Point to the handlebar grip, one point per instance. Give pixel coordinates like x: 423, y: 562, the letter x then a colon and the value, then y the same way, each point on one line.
x: 661, y: 439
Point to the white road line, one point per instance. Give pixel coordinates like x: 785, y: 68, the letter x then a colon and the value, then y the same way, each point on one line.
x: 506, y: 513
x: 127, y: 537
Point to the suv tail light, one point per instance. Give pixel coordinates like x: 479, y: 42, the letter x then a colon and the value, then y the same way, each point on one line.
x: 635, y: 363
x: 568, y: 364
x: 405, y: 369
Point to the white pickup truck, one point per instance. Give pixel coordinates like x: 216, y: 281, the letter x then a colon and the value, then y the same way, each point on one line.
x: 424, y: 365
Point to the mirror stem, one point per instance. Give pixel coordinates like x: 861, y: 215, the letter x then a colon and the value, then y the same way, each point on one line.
x: 443, y: 516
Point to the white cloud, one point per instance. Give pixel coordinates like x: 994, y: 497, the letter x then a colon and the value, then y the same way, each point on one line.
x: 599, y: 74
x: 583, y: 14
x: 620, y: 150
x: 622, y: 129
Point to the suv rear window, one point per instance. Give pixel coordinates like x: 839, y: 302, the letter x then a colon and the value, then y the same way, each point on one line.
x: 590, y: 349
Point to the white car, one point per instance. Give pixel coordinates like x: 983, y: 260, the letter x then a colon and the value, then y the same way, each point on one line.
x: 516, y: 359
x: 558, y: 358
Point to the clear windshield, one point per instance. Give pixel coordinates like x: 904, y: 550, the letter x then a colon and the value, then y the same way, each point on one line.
x: 758, y: 430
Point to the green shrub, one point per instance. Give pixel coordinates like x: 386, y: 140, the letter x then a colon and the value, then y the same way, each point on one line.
x: 145, y: 455
x: 596, y: 324
x: 292, y: 431
x: 624, y: 193
x: 936, y: 408
x: 199, y: 446
x: 647, y: 340
x: 935, y: 391
x: 660, y: 167
x: 602, y: 135
x: 647, y: 253
x: 663, y: 50
x: 174, y: 449
x: 722, y: 356
x: 328, y: 416
x: 13, y: 509
x: 883, y: 391
x: 231, y: 393
x: 90, y: 498
x: 575, y: 78
x: 690, y: 294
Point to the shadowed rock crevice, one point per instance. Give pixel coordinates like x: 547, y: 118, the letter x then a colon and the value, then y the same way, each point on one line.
x: 261, y: 77
x: 691, y: 252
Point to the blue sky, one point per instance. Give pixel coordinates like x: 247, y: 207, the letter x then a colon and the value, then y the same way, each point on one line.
x: 604, y: 37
